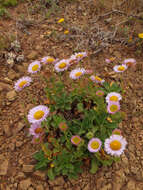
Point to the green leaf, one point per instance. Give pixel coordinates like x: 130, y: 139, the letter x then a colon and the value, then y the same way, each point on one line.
x: 51, y: 174
x: 94, y: 166
x: 116, y: 159
x: 80, y: 107
x: 41, y: 165
x: 68, y: 107
x: 39, y: 155
x: 107, y: 162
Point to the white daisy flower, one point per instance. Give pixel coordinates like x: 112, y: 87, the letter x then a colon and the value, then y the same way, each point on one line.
x: 76, y: 140
x: 97, y: 79
x: 80, y: 55
x: 38, y: 114
x: 34, y: 67
x: 48, y: 59
x: 120, y: 68
x: 62, y: 65
x: 73, y: 59
x: 129, y: 62
x: 113, y: 97
x: 113, y: 107
x: 77, y: 57
x: 77, y: 73
x: 115, y: 145
x: 22, y: 83
x: 94, y: 145
x: 36, y: 130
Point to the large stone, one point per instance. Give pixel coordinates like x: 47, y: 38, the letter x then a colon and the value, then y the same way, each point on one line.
x: 25, y: 184
x: 12, y: 74
x: 3, y: 167
x: 11, y: 95
x: 4, y: 86
x: 28, y: 168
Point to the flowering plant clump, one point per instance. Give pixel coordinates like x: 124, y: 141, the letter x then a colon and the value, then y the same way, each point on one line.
x: 79, y: 127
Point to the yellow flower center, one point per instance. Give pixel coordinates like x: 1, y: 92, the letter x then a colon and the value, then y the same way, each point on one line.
x: 100, y: 93
x: 22, y: 83
x: 140, y: 35
x: 113, y: 108
x: 114, y: 98
x: 112, y: 58
x: 94, y: 145
x: 121, y: 68
x: 109, y: 119
x: 38, y: 130
x: 52, y: 165
x: 66, y: 32
x: 38, y: 114
x: 78, y: 74
x: 61, y: 20
x: 80, y: 55
x: 98, y: 78
x: 50, y: 60
x: 62, y: 65
x: 76, y: 140
x: 35, y: 67
x: 115, y: 145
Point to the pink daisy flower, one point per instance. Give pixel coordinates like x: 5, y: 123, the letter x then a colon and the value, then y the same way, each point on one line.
x: 36, y: 130
x: 100, y: 93
x: 76, y: 140
x: 113, y: 107
x: 38, y: 114
x: 94, y: 145
x: 22, y: 83
x: 129, y: 62
x: 116, y: 132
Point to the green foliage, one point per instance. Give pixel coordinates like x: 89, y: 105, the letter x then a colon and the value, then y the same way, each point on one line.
x: 86, y: 115
x: 3, y: 11
x: 42, y: 160
x: 8, y: 3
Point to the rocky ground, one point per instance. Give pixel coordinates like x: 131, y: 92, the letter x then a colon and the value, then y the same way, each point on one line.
x: 39, y: 36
